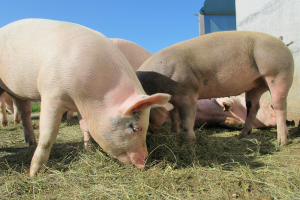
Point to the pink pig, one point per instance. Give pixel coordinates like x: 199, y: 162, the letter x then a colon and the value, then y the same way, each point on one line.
x: 231, y: 113
x: 221, y: 64
x: 72, y: 67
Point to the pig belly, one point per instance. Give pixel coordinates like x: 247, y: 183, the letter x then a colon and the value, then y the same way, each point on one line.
x: 25, y: 89
x: 231, y: 86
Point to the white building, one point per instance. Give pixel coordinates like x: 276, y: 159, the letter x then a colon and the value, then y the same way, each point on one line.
x: 278, y: 18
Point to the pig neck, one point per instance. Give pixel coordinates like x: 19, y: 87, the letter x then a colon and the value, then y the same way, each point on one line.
x: 99, y: 110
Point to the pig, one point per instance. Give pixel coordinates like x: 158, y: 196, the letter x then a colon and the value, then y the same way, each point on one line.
x: 221, y: 64
x: 231, y: 112
x: 6, y: 103
x: 67, y: 66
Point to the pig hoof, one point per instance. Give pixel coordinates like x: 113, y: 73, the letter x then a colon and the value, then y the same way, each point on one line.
x: 31, y: 141
x: 4, y: 123
x: 192, y: 139
x: 234, y: 122
x: 88, y: 146
x: 282, y: 140
x: 281, y: 143
x: 244, y: 134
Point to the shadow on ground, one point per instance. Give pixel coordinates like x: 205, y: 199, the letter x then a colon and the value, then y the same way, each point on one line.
x: 19, y: 159
x: 215, y: 147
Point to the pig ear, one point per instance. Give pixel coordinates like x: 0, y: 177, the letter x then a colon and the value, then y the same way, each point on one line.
x: 168, y: 106
x: 142, y: 102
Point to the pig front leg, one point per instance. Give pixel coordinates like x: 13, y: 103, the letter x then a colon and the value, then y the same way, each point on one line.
x: 50, y: 117
x: 86, y: 134
x: 17, y: 117
x: 252, y: 105
x: 24, y: 110
x: 175, y: 120
x: 186, y: 107
x: 4, y: 120
x: 70, y: 115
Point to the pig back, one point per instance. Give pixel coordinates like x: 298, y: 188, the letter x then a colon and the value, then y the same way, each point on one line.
x: 222, y: 63
x: 56, y: 56
x: 134, y: 53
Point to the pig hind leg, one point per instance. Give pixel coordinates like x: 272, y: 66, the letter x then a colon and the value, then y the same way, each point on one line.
x: 4, y: 120
x: 17, y: 117
x: 252, y: 104
x: 24, y: 110
x: 50, y: 118
x: 279, y: 88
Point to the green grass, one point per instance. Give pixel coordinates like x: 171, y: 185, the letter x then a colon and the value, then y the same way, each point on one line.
x: 36, y: 106
x: 218, y: 166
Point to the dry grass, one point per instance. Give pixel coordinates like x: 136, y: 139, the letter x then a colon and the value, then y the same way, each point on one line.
x: 218, y: 166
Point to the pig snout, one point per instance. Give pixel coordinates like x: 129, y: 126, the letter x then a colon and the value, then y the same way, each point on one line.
x: 136, y: 158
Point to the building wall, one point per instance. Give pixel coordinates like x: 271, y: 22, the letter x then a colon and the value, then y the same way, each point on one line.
x: 278, y: 18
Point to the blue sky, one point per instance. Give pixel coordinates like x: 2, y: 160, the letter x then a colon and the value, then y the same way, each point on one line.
x: 152, y: 24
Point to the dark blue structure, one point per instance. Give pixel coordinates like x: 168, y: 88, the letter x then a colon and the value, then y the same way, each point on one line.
x: 219, y: 15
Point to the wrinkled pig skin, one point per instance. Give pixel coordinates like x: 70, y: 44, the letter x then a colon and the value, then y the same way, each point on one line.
x: 221, y: 64
x: 67, y: 66
x: 6, y: 103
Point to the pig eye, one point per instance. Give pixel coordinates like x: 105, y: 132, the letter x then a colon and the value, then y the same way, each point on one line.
x: 133, y: 128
